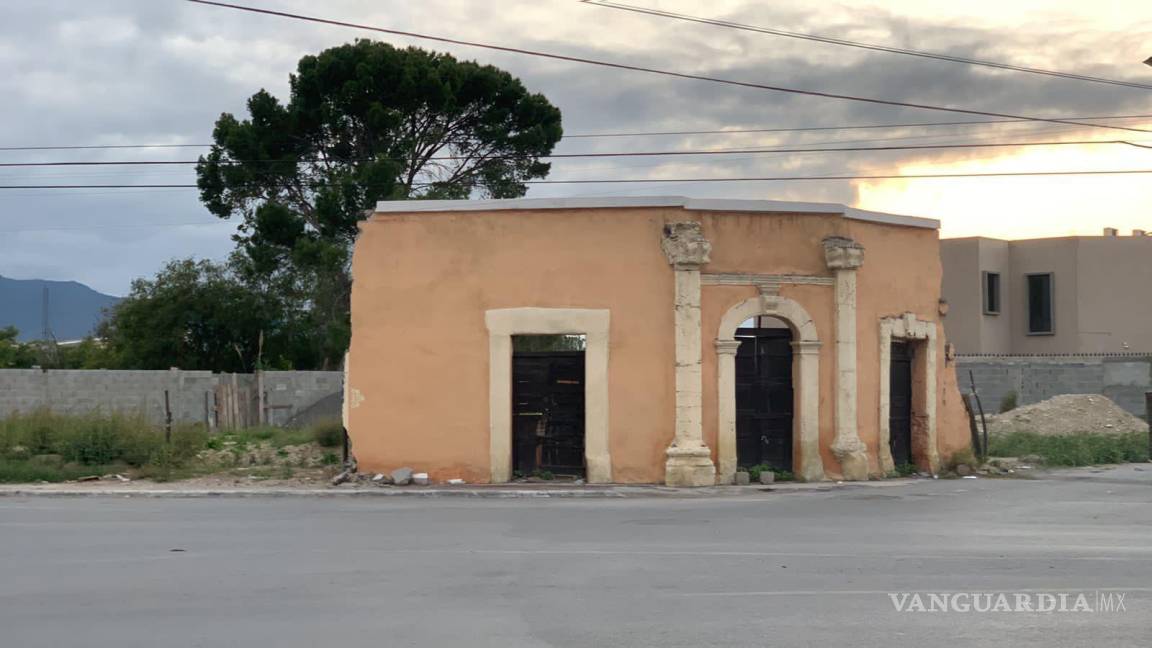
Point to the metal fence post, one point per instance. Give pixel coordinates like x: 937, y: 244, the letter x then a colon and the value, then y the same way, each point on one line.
x: 167, y: 418
x: 1148, y: 417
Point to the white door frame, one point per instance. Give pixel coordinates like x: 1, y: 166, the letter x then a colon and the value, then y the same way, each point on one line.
x: 806, y: 383
x: 593, y: 324
x: 908, y: 327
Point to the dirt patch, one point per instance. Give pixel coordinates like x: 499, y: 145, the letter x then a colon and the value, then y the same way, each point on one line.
x: 1068, y: 415
x: 307, y: 455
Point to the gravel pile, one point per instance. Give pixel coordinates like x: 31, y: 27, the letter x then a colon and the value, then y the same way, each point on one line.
x: 1066, y: 415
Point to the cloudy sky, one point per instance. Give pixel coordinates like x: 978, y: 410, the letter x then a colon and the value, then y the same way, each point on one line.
x: 99, y: 72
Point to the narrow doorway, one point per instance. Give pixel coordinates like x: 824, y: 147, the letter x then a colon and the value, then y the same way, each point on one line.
x: 764, y: 395
x: 900, y: 407
x: 548, y: 406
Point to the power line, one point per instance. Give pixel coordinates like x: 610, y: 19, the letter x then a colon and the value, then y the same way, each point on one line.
x: 616, y: 154
x: 718, y: 131
x: 740, y: 131
x: 100, y: 146
x: 860, y: 45
x: 117, y: 227
x: 648, y: 70
x: 911, y: 176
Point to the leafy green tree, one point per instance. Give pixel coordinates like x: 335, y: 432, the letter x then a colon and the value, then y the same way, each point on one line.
x: 365, y: 122
x: 89, y: 353
x: 15, y: 354
x: 202, y: 315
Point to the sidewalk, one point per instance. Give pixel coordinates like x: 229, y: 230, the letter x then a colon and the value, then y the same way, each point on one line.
x: 1135, y: 473
x: 494, y: 491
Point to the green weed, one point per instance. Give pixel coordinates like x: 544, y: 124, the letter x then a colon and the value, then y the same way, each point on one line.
x: 1073, y: 450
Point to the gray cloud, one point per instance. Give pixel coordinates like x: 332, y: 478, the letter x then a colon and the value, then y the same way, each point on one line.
x: 131, y: 71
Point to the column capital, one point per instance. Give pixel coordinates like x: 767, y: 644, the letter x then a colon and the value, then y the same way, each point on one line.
x: 727, y: 347
x: 842, y: 253
x: 685, y: 246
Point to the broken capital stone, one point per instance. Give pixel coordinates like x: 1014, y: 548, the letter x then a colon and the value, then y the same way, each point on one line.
x: 402, y: 476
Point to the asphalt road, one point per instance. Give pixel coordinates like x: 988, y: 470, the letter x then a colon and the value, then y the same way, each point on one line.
x: 780, y: 569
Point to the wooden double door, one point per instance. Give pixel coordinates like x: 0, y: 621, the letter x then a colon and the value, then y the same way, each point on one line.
x: 764, y: 400
x: 548, y: 412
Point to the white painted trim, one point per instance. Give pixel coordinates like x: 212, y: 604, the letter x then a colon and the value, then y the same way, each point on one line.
x: 692, y: 204
x: 908, y: 327
x: 593, y: 324
x: 806, y: 384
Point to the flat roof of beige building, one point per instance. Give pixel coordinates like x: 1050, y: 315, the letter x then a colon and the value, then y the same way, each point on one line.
x: 620, y: 202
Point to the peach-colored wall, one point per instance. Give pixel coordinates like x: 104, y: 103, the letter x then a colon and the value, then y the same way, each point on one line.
x: 419, y: 358
x: 423, y: 281
x: 901, y: 273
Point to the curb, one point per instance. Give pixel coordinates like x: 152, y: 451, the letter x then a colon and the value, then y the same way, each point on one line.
x: 624, y: 492
x: 315, y: 493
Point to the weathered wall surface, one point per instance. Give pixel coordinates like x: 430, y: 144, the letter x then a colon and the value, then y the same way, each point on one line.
x: 290, y: 392
x: 419, y: 364
x: 83, y: 391
x: 419, y: 368
x: 1124, y: 379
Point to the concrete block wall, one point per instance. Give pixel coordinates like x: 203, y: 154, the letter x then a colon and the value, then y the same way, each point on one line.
x: 84, y: 391
x: 291, y: 391
x: 1124, y: 379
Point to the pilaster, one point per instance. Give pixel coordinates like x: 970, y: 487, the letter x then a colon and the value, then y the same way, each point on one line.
x: 689, y: 460
x: 844, y: 257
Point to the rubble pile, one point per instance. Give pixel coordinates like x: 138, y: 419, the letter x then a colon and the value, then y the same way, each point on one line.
x: 1067, y: 415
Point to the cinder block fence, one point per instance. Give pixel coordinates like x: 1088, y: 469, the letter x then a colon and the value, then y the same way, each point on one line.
x: 192, y: 396
x: 1124, y: 378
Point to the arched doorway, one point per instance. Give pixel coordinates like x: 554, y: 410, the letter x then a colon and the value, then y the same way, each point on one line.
x: 805, y: 384
x: 764, y: 394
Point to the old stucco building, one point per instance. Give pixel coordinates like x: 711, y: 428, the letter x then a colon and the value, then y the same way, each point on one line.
x: 702, y: 336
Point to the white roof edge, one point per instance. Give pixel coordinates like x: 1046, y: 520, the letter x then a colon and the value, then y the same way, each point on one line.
x: 696, y: 204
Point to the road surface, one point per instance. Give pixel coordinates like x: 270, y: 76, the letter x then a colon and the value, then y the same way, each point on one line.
x: 774, y: 569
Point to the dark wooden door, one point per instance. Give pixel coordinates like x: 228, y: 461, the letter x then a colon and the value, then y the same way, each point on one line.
x: 764, y: 398
x: 900, y: 406
x: 548, y: 412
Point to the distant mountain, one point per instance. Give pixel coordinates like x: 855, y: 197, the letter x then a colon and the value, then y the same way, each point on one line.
x: 74, y: 309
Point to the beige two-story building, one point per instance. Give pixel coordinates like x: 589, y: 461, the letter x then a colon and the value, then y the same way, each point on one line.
x: 1078, y: 294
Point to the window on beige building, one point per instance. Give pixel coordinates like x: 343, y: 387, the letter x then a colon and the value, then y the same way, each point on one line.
x: 991, y: 293
x: 1040, y: 319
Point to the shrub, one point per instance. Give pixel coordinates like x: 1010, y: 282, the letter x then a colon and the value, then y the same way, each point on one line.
x: 329, y: 434
x: 277, y: 437
x: 906, y: 470
x: 964, y: 456
x: 43, y: 445
x: 755, y: 471
x: 16, y: 472
x: 1009, y: 402
x: 1073, y: 450
x: 91, y: 439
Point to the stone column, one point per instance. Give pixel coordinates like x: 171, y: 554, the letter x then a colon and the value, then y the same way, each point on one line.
x: 811, y: 466
x: 726, y: 389
x: 844, y: 257
x: 689, y: 460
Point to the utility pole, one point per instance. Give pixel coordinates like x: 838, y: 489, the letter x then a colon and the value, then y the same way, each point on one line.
x: 48, y: 355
